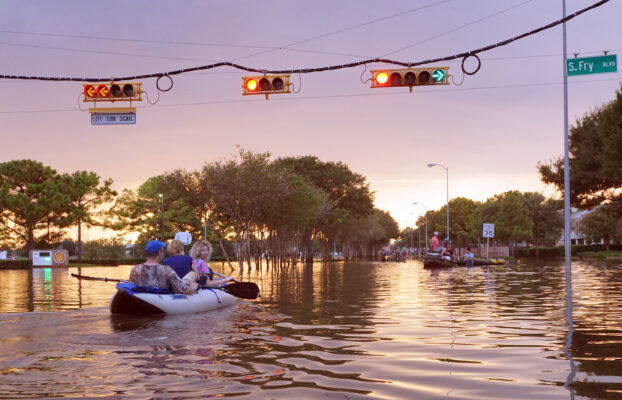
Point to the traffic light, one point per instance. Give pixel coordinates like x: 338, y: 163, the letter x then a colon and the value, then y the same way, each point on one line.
x: 115, y: 91
x: 265, y: 84
x: 410, y: 77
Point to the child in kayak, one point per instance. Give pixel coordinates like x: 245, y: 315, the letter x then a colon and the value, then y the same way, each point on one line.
x: 469, y: 257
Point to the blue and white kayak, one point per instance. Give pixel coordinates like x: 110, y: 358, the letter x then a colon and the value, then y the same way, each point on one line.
x: 130, y: 299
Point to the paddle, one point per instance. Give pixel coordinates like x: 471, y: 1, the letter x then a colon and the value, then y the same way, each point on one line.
x: 93, y: 278
x: 243, y: 290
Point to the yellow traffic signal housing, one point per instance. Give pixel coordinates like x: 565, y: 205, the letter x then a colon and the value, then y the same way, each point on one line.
x: 265, y: 84
x: 114, y: 91
x: 410, y: 77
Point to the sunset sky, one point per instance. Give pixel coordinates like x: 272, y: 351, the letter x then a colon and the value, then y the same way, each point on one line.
x: 491, y: 131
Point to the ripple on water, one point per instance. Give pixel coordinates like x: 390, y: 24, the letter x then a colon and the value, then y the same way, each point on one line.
x: 338, y: 331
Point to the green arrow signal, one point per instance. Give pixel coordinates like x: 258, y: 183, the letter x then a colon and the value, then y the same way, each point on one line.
x: 438, y: 75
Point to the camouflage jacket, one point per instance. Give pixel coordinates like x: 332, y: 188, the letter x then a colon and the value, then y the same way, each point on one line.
x: 159, y: 276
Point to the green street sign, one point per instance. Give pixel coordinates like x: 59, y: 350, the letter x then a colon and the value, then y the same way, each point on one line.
x: 592, y: 65
x: 438, y: 75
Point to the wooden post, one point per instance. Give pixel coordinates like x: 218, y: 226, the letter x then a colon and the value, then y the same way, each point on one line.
x: 487, y: 245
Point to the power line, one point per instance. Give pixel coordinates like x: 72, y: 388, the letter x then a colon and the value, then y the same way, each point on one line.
x: 102, y: 52
x: 456, y: 28
x: 336, y: 96
x: 208, y: 44
x: 318, y: 69
x: 373, y: 21
x: 266, y: 49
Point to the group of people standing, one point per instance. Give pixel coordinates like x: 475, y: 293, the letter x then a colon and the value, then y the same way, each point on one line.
x: 178, y: 273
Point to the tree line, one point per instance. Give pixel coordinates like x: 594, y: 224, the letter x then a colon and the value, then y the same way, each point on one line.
x: 280, y: 210
x: 518, y: 217
x: 595, y: 143
x: 289, y: 208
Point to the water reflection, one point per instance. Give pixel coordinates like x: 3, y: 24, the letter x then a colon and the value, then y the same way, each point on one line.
x: 353, y: 330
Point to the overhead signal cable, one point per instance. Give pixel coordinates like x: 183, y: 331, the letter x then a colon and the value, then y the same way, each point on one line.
x: 463, y: 56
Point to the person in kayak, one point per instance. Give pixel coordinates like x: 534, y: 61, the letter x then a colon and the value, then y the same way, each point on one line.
x: 448, y: 252
x: 469, y: 257
x: 200, y: 253
x: 153, y: 274
x: 181, y: 263
x: 434, y: 242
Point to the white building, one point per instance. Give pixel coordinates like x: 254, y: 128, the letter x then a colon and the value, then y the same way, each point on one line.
x: 576, y: 234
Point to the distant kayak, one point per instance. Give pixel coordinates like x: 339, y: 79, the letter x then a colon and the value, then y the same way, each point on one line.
x: 483, y: 261
x: 130, y: 299
x: 438, y: 262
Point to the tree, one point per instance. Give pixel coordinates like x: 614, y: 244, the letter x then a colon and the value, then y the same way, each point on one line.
x: 595, y: 163
x: 513, y: 223
x: 348, y: 192
x: 30, y: 194
x: 461, y: 213
x: 546, y: 218
x: 237, y: 189
x: 142, y: 211
x: 364, y: 235
x: 85, y: 194
x: 601, y: 224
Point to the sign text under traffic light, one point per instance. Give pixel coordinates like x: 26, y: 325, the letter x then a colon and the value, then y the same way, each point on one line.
x: 265, y: 84
x: 410, y: 77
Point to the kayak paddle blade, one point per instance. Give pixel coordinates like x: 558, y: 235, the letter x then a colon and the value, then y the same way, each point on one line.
x: 243, y: 290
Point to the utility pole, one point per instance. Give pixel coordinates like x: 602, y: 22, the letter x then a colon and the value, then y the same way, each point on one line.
x: 162, y: 212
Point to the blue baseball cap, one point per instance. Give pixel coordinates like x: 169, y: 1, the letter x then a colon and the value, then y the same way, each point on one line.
x: 153, y: 246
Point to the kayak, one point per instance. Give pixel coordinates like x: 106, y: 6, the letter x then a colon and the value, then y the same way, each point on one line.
x: 438, y: 262
x: 484, y: 261
x: 131, y: 299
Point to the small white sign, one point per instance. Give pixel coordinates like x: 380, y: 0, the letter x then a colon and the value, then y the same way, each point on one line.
x: 113, y: 119
x: 184, y: 237
x: 489, y: 230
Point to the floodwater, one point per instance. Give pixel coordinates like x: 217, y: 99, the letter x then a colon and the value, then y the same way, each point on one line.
x: 330, y: 331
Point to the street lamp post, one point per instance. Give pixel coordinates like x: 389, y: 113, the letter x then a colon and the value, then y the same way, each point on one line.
x: 425, y: 219
x: 162, y: 212
x: 430, y: 165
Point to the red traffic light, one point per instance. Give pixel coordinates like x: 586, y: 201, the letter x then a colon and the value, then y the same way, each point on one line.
x: 103, y: 91
x: 382, y: 78
x: 251, y: 85
x: 89, y: 91
x: 122, y: 91
x: 410, y: 77
x: 265, y: 84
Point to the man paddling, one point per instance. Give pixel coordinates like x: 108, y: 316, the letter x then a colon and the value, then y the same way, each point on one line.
x: 153, y: 274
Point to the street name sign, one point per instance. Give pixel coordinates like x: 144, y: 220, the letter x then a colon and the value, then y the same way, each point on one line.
x: 113, y: 118
x: 592, y: 65
x: 489, y: 230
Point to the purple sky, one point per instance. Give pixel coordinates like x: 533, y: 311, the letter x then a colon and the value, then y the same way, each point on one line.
x: 491, y: 131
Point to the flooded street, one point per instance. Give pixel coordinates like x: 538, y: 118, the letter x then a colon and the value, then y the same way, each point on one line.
x: 336, y: 331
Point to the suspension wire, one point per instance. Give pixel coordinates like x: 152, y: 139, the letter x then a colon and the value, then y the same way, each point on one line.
x: 457, y: 28
x: 316, y: 69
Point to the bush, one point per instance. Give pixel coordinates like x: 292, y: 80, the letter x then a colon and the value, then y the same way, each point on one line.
x: 547, y: 252
x: 103, y: 249
x: 107, y: 261
x: 16, y: 264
